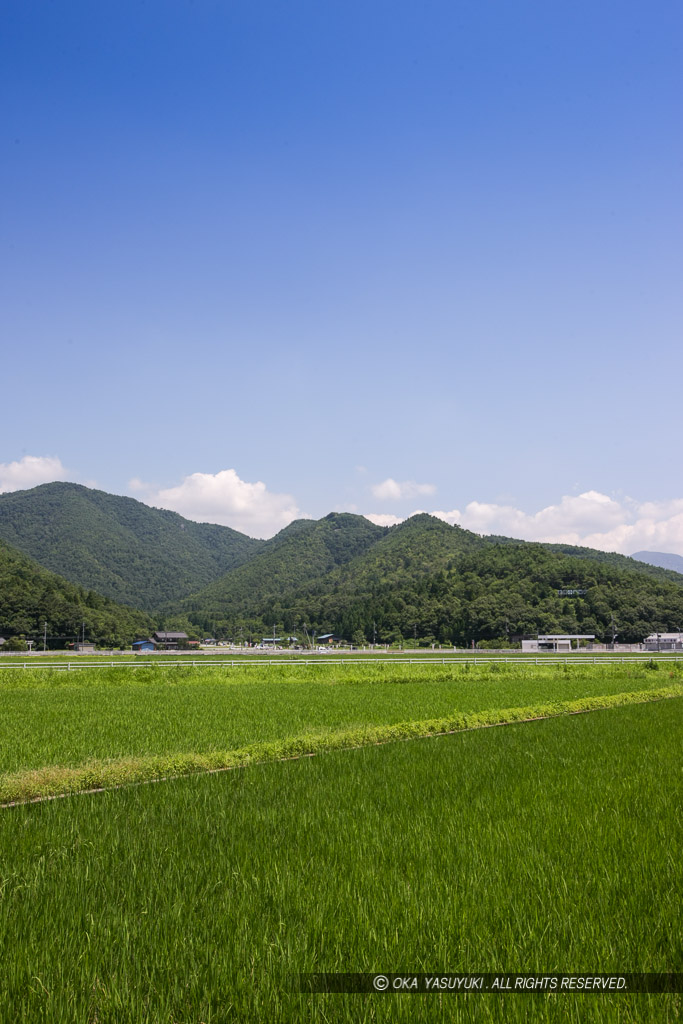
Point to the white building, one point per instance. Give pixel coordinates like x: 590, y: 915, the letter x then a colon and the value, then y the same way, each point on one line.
x: 663, y: 642
x: 555, y: 642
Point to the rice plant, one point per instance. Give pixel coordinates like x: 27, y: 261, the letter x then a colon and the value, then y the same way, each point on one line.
x: 545, y: 846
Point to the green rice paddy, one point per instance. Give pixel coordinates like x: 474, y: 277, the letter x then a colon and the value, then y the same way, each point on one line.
x: 540, y: 846
x: 548, y: 846
x: 57, y: 718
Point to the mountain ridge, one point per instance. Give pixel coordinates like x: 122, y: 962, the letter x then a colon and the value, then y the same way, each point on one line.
x: 342, y: 573
x: 124, y: 549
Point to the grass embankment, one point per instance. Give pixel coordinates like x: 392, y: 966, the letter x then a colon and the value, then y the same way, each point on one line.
x: 543, y: 847
x: 63, y: 733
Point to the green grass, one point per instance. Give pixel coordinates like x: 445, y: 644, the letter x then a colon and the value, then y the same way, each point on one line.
x: 56, y: 718
x: 548, y: 846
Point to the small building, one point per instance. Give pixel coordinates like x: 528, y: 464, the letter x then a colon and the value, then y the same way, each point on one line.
x: 555, y: 643
x: 84, y: 648
x: 168, y: 639
x: 144, y: 645
x: 329, y: 638
x: 663, y: 642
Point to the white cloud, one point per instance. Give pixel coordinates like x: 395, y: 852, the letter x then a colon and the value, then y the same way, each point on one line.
x: 136, y: 484
x: 393, y: 490
x: 566, y: 522
x: 381, y: 519
x: 223, y: 498
x: 590, y: 519
x: 30, y: 471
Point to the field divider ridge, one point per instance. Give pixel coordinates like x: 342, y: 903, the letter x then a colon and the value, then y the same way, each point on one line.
x: 55, y: 781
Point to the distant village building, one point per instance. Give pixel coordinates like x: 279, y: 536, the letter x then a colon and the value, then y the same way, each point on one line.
x: 144, y: 645
x: 663, y: 642
x: 84, y: 648
x: 168, y: 639
x: 555, y: 642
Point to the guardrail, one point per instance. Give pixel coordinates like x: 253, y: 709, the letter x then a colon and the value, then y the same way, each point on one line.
x: 547, y: 659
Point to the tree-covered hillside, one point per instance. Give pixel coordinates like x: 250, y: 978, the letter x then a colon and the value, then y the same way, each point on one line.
x: 629, y: 563
x: 305, y: 551
x: 348, y: 599
x: 134, y: 554
x: 515, y: 588
x: 31, y: 596
x: 425, y: 579
x: 421, y: 579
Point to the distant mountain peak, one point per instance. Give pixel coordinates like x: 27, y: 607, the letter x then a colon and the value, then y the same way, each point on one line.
x: 663, y: 559
x: 423, y: 519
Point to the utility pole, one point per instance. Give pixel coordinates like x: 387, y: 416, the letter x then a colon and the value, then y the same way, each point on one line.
x: 44, y: 636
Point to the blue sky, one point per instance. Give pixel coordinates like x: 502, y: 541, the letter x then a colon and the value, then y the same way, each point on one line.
x: 262, y: 260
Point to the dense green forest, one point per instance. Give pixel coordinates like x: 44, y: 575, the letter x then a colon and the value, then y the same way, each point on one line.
x: 304, y: 551
x: 421, y: 580
x: 31, y: 596
x: 117, y: 546
x: 424, y: 579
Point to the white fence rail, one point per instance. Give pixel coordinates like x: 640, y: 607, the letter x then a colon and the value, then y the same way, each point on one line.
x: 517, y: 660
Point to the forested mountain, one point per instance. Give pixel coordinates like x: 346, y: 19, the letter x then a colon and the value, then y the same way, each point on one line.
x: 629, y: 563
x: 421, y: 579
x: 400, y: 565
x: 426, y: 579
x: 117, y: 546
x: 305, y: 551
x: 31, y: 596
